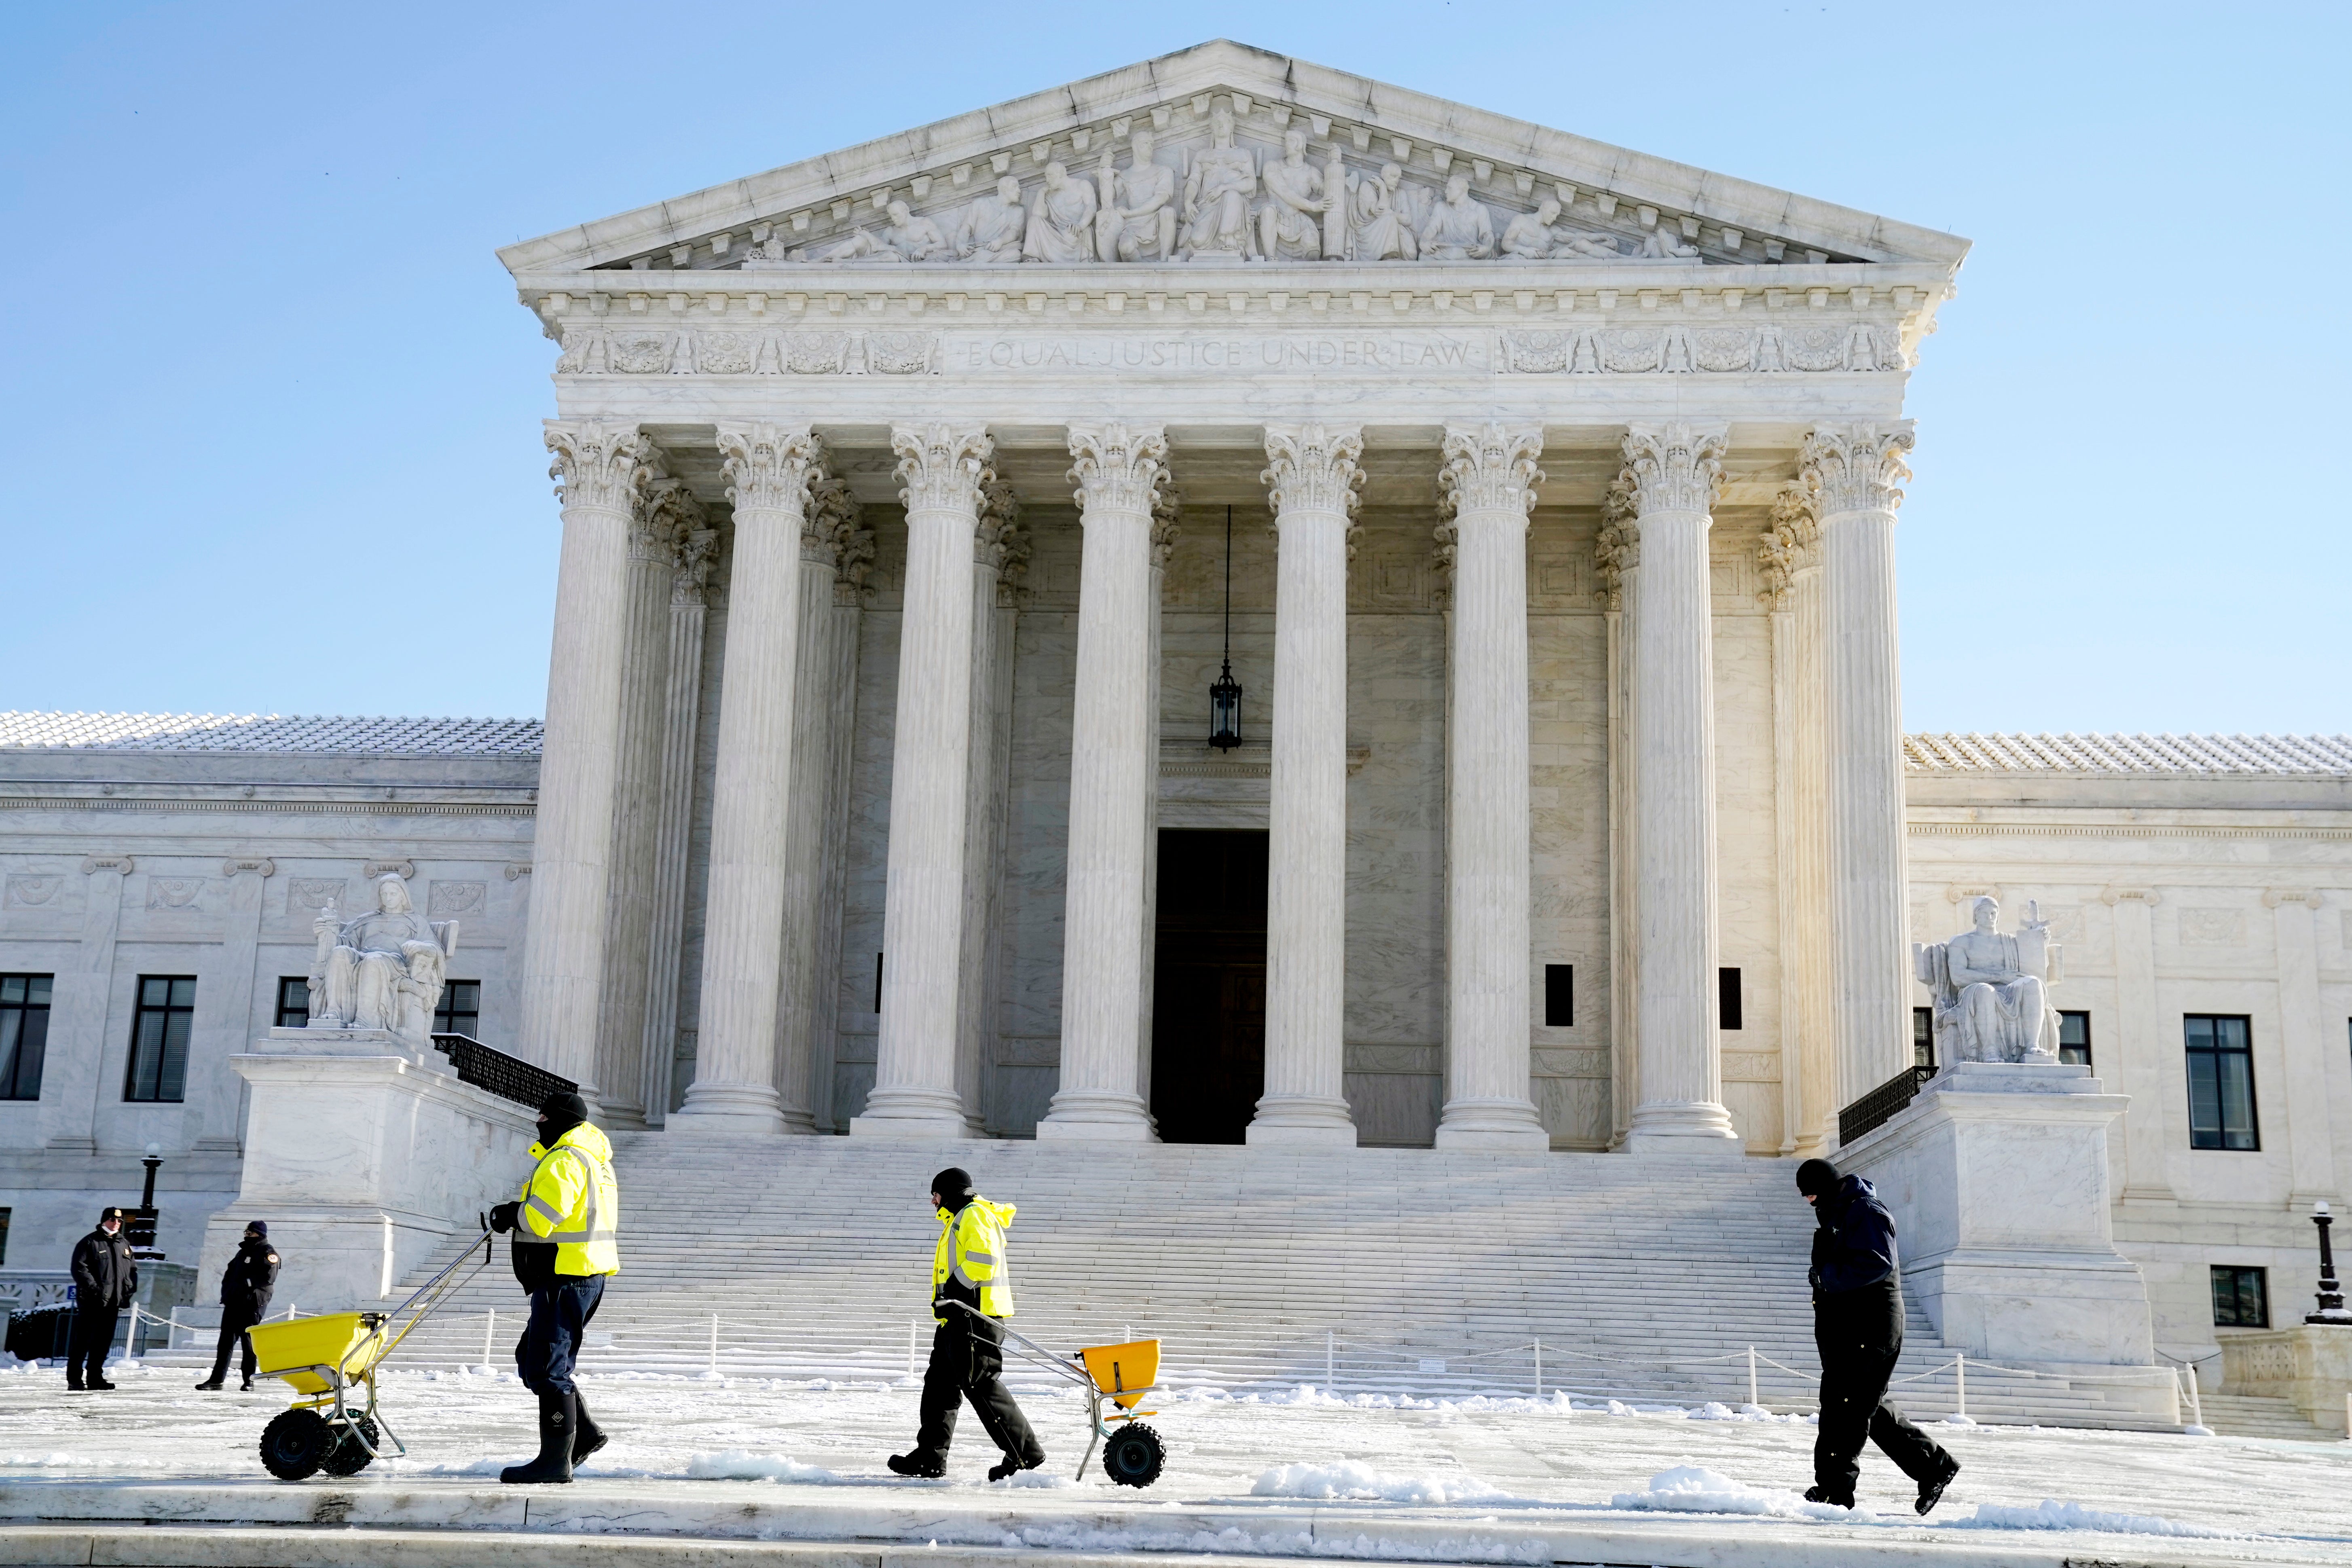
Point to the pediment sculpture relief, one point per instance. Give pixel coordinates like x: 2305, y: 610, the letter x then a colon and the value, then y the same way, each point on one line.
x: 1226, y: 202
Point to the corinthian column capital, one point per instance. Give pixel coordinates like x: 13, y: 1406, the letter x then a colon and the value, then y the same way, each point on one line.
x: 1489, y: 469
x: 1116, y: 468
x: 770, y: 467
x: 689, y: 581
x: 666, y: 513
x: 942, y: 467
x: 1792, y: 544
x: 600, y: 465
x: 1857, y: 468
x: 1617, y: 547
x: 1675, y: 467
x: 1313, y: 467
x: 1001, y: 546
x: 1166, y: 522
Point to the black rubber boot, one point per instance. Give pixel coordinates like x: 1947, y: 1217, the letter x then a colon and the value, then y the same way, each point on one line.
x: 1012, y: 1465
x: 920, y: 1464
x: 586, y: 1435
x: 1822, y: 1494
x: 212, y: 1386
x: 1931, y: 1490
x: 557, y: 1419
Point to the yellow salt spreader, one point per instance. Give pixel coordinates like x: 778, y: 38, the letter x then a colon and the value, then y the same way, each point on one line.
x: 331, y: 1360
x: 1117, y: 1376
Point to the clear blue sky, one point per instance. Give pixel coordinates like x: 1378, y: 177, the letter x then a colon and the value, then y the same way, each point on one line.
x: 274, y: 413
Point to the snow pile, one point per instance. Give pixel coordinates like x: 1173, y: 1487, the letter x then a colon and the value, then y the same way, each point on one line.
x: 738, y: 1464
x: 1687, y: 1489
x: 2050, y: 1515
x: 1349, y: 1478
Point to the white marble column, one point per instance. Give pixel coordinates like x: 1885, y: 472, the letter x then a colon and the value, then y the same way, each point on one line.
x: 800, y: 983
x: 999, y: 549
x: 1114, y: 764
x: 690, y: 599
x: 768, y: 469
x: 1313, y: 475
x: 1790, y: 557
x: 1487, y: 483
x: 1617, y: 552
x: 1680, y: 1110
x: 2307, y: 1044
x: 853, y: 549
x: 602, y: 468
x: 665, y: 511
x: 223, y: 1026
x: 2144, y: 1059
x: 942, y: 468
x: 1857, y: 469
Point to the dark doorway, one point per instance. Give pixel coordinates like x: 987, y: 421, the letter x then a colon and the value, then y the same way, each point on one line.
x: 1208, y: 986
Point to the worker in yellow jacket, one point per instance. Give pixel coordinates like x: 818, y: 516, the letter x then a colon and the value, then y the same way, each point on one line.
x: 566, y: 1228
x: 969, y: 1269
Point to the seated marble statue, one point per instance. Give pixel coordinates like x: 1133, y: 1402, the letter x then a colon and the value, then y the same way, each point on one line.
x: 1062, y: 219
x: 1458, y: 229
x: 992, y: 226
x: 1529, y: 236
x: 1378, y: 228
x: 1992, y: 992
x: 904, y: 238
x: 381, y: 971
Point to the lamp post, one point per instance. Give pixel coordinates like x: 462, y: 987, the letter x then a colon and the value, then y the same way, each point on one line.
x: 142, y: 1228
x: 1225, y: 695
x: 2331, y: 1290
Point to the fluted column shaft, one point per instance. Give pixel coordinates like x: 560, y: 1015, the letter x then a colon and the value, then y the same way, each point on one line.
x: 602, y: 468
x: 1314, y: 475
x: 1674, y: 470
x: 915, y: 1094
x: 999, y: 549
x: 1113, y: 771
x: 1857, y: 470
x: 768, y: 469
x: 1790, y: 557
x: 1488, y: 484
x: 681, y: 722
x: 1618, y: 557
x: 800, y: 980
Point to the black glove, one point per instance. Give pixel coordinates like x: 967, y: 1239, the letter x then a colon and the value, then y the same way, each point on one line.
x: 506, y: 1216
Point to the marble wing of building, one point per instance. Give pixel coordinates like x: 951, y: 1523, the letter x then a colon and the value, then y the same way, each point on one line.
x: 1538, y: 497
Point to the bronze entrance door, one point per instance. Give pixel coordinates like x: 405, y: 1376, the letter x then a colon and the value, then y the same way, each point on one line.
x: 1208, y: 986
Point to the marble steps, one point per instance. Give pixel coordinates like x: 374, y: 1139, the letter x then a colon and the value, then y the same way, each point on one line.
x: 2253, y: 1416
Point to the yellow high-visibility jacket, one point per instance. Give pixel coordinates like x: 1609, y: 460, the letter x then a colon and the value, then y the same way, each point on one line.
x: 572, y: 1201
x: 971, y: 1251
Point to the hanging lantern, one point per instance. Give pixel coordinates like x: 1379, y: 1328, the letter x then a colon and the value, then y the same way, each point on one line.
x: 1225, y: 695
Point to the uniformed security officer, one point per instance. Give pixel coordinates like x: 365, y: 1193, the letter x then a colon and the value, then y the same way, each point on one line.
x: 968, y: 1265
x: 566, y: 1230
x: 246, y: 1285
x: 106, y: 1280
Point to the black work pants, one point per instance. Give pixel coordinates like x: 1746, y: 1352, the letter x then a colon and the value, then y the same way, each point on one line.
x: 560, y: 1315
x: 968, y: 1363
x: 232, y: 1338
x: 1855, y: 1409
x: 92, y: 1343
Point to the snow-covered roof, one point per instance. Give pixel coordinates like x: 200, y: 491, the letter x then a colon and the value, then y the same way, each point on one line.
x: 269, y: 733
x: 2271, y: 755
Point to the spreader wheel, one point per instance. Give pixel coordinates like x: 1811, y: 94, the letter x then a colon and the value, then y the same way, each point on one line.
x: 296, y: 1444
x: 350, y: 1456
x: 1133, y: 1455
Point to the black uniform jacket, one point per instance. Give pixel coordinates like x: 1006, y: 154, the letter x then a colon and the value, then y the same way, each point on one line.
x: 248, y: 1279
x: 1856, y: 1274
x: 103, y: 1273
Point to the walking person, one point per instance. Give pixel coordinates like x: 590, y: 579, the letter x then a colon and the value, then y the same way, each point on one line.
x: 566, y: 1230
x: 968, y: 1265
x: 106, y: 1280
x: 1858, y: 1326
x: 246, y: 1285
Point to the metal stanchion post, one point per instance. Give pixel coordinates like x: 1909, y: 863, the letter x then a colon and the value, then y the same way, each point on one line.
x: 714, y: 1344
x: 1752, y: 1378
x: 489, y: 1329
x: 1330, y: 1363
x: 1960, y: 1365
x: 1539, y: 1369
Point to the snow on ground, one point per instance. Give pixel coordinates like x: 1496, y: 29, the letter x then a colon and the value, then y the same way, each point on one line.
x: 1486, y: 1456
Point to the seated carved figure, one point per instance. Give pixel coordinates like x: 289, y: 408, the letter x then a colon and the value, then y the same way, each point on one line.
x: 1991, y: 992
x: 381, y: 971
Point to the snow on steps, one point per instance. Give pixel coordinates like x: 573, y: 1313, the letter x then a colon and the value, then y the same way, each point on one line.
x: 2251, y: 1416
x: 1642, y: 1278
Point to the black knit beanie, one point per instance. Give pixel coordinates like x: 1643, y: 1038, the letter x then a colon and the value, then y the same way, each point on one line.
x: 1817, y: 1178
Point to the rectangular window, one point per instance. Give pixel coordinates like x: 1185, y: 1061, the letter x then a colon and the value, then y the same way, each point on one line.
x: 1560, y: 995
x: 2221, y: 1082
x: 2075, y: 1037
x: 460, y: 1012
x: 1923, y: 1036
x: 4, y: 1237
x: 293, y: 1002
x: 1727, y: 998
x: 158, y: 1038
x: 2242, y: 1297
x: 877, y: 983
x: 24, y: 1034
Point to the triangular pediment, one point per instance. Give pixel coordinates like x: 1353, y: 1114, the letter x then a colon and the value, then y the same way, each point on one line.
x: 1226, y: 116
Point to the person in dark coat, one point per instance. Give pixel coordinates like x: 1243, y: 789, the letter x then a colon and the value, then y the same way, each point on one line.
x: 1858, y: 1326
x: 106, y: 1280
x: 246, y: 1285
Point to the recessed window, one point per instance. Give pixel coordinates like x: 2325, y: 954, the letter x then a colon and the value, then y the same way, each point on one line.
x: 2221, y: 1082
x: 1923, y: 1036
x: 460, y: 1012
x: 1560, y: 995
x: 158, y: 1038
x: 24, y: 1034
x: 293, y: 1002
x: 1727, y: 998
x: 2074, y: 1038
x: 2242, y: 1297
x: 4, y: 1236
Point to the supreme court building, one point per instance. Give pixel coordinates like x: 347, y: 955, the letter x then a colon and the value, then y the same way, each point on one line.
x: 1540, y: 496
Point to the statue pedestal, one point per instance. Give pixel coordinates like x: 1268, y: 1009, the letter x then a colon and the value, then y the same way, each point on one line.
x: 363, y: 1160
x: 1997, y: 1176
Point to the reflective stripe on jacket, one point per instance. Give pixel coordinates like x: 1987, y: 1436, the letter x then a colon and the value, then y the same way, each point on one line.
x: 972, y: 1253
x: 572, y: 1200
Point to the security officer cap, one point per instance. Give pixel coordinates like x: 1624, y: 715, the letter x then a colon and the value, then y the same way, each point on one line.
x: 110, y: 1213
